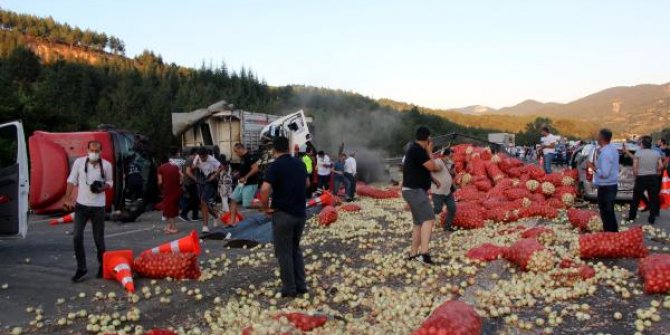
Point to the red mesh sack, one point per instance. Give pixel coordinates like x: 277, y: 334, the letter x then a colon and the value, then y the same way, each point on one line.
x: 537, y: 198
x: 536, y: 232
x: 477, y: 167
x: 570, y: 275
x: 580, y: 218
x: 468, y: 193
x: 350, y: 208
x: 486, y: 252
x: 494, y: 202
x: 373, y: 192
x: 508, y: 164
x: 626, y: 244
x: 534, y: 172
x: 159, y: 266
x: 655, y: 271
x: 303, y: 321
x: 573, y: 173
x: 539, y: 209
x: 555, y: 203
x: 468, y: 217
x: 517, y: 193
x: 529, y: 254
x: 514, y: 172
x: 453, y: 318
x: 459, y: 167
x: 555, y: 178
x: 511, y: 230
x: 327, y: 216
x: 494, y: 172
x: 484, y: 185
x: 486, y: 155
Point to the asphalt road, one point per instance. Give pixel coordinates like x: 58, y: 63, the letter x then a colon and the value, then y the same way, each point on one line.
x: 38, y: 268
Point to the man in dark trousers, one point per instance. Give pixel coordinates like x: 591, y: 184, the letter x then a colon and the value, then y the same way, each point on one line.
x: 416, y: 181
x: 286, y: 178
x: 606, y: 179
x: 92, y: 176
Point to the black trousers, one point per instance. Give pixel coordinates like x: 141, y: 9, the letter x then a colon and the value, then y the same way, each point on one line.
x: 352, y: 187
x: 286, y: 233
x: 324, y: 182
x: 606, y: 198
x: 97, y: 216
x: 650, y: 184
x: 190, y: 202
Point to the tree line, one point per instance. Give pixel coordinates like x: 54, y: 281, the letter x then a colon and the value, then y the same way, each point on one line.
x: 31, y: 26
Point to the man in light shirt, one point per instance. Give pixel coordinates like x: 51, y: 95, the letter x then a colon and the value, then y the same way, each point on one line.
x: 606, y: 179
x: 442, y: 187
x: 350, y: 174
x: 92, y: 176
x: 548, y: 146
x: 323, y: 166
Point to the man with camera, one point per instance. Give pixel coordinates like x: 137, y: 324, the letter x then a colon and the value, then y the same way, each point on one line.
x: 92, y: 176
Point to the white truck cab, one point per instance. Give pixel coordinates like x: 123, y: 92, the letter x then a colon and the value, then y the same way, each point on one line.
x: 14, y: 185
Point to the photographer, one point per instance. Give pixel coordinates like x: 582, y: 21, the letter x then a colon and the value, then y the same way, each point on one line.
x: 91, y: 175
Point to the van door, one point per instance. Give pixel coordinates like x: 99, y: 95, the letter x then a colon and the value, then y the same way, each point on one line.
x: 13, y: 181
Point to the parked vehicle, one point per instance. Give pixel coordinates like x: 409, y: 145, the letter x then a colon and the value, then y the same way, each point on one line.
x: 14, y: 183
x: 587, y: 153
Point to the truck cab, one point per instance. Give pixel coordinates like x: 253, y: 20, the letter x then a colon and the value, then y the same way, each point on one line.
x: 14, y: 184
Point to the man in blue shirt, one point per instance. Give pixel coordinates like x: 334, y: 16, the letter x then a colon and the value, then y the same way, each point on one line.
x: 287, y: 179
x: 606, y: 179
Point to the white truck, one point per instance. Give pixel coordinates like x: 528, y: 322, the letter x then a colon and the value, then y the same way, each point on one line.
x: 219, y: 126
x: 505, y: 139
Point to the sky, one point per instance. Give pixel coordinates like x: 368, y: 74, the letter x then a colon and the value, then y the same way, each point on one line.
x: 439, y: 54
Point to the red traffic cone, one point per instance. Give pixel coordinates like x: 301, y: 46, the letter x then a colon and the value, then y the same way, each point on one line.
x: 665, y: 191
x: 189, y: 243
x: 66, y: 219
x: 117, y: 265
x: 225, y: 218
x: 325, y: 199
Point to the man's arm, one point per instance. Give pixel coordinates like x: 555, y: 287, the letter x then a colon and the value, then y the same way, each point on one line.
x: 435, y: 181
x: 636, y: 166
x: 266, y: 188
x: 109, y: 176
x: 189, y: 173
x: 660, y: 166
x: 605, y: 171
x: 72, y: 182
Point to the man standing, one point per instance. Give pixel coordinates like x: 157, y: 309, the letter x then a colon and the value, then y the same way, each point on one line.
x: 647, y: 165
x: 350, y: 170
x: 323, y: 165
x: 92, y: 176
x: 339, y: 178
x: 442, y: 187
x: 415, y: 185
x: 247, y: 182
x: 606, y: 179
x: 189, y: 199
x: 204, y: 171
x: 287, y: 179
x: 548, y: 146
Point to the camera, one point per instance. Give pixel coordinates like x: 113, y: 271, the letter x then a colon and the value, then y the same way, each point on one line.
x: 98, y: 186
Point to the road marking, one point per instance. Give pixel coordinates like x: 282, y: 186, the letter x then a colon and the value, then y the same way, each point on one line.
x: 129, y: 232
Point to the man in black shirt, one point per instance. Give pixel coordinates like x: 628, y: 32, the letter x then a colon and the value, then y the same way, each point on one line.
x: 287, y: 179
x: 417, y: 167
x: 247, y: 182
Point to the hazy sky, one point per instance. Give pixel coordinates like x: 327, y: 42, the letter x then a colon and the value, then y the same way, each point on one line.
x: 432, y: 53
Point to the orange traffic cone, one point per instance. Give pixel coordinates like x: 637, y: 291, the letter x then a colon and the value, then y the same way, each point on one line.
x: 117, y: 265
x: 66, y: 219
x: 665, y: 191
x: 325, y: 199
x: 190, y: 243
x: 225, y: 218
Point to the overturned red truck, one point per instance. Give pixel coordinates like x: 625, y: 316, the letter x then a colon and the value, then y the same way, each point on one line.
x: 52, y: 156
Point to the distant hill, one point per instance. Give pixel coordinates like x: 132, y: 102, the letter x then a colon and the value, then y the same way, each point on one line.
x: 475, y: 110
x: 629, y: 109
x: 495, y: 120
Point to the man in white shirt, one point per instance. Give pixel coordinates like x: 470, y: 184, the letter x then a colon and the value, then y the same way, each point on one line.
x: 204, y: 172
x: 92, y: 176
x: 350, y: 173
x: 548, y: 146
x: 323, y: 166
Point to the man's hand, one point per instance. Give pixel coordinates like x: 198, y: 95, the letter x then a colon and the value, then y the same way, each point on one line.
x: 590, y: 165
x: 69, y: 204
x: 268, y: 211
x: 242, y: 180
x: 429, y: 147
x: 438, y: 184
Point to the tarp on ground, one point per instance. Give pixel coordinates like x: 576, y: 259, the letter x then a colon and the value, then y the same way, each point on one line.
x: 254, y: 228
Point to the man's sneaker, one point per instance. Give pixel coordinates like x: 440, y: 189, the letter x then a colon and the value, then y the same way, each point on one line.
x: 79, y: 275
x: 195, y: 219
x: 183, y: 218
x: 205, y: 229
x: 425, y: 259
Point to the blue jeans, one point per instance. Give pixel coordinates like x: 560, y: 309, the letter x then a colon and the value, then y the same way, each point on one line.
x: 440, y: 200
x: 338, y: 181
x: 548, y: 159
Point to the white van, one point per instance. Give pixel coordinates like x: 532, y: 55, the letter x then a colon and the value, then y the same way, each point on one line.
x: 14, y: 184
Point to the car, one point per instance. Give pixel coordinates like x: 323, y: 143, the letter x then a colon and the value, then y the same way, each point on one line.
x: 587, y: 153
x: 14, y: 185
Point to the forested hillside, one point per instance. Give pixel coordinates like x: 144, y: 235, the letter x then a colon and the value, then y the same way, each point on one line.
x: 60, y: 78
